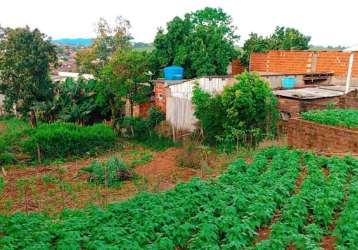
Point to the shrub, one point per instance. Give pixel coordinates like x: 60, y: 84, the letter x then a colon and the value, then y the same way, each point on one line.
x: 244, y: 113
x: 110, y: 173
x: 142, y: 130
x: 7, y: 158
x: 134, y: 127
x: 62, y: 140
x: 156, y: 116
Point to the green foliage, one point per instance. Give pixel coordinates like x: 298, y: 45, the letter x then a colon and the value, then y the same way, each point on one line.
x: 11, y: 138
x: 2, y: 185
x: 202, y: 42
x: 110, y: 173
x: 282, y: 39
x: 255, y: 43
x: 142, y: 131
x: 223, y: 213
x: 289, y: 39
x: 77, y: 101
x: 244, y: 113
x: 25, y: 59
x: 109, y: 39
x: 336, y: 117
x: 156, y: 116
x: 62, y: 140
x: 7, y: 158
x: 126, y: 77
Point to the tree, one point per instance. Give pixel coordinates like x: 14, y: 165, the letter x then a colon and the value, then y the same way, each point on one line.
x: 108, y: 40
x: 25, y: 59
x: 255, y: 43
x: 86, y: 61
x: 244, y: 113
x: 289, y: 39
x: 282, y: 39
x: 125, y: 76
x: 202, y: 42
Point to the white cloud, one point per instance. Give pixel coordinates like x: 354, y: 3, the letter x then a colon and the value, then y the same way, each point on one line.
x: 329, y: 22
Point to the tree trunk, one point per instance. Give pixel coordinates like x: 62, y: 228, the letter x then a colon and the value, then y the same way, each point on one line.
x: 131, y: 107
x: 33, y: 120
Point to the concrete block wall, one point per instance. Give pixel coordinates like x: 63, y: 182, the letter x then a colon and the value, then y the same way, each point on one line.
x: 317, y: 137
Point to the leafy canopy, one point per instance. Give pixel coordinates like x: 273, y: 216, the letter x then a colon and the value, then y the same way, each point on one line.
x: 283, y: 38
x: 126, y: 75
x: 244, y: 113
x: 202, y: 42
x: 25, y: 59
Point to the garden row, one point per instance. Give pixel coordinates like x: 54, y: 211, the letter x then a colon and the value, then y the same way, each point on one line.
x: 225, y: 213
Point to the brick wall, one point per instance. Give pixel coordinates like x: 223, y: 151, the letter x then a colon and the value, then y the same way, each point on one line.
x: 236, y: 67
x: 295, y: 106
x: 291, y: 62
x: 160, y: 95
x: 321, y: 138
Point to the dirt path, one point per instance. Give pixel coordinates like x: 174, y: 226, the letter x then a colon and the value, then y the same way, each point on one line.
x: 26, y: 189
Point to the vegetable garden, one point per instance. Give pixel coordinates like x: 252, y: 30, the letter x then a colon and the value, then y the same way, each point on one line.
x: 310, y: 197
x: 336, y: 117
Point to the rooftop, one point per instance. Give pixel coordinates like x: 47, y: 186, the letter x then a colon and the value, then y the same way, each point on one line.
x: 313, y: 93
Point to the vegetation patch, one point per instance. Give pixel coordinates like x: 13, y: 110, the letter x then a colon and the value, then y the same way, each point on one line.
x: 62, y: 140
x: 10, y: 139
x: 347, y: 118
x: 243, y: 114
x: 110, y: 173
x: 224, y: 213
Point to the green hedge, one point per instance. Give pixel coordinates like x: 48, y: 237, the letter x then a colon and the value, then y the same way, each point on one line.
x: 63, y: 140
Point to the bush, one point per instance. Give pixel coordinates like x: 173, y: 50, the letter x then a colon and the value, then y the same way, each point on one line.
x: 111, y: 173
x: 7, y: 158
x: 142, y: 130
x: 62, y: 140
x: 244, y: 114
x: 156, y: 116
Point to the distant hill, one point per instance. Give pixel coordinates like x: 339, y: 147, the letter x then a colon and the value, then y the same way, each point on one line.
x: 74, y: 41
x: 326, y: 48
x: 88, y: 41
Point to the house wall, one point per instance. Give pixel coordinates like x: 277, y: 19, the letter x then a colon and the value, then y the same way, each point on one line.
x: 236, y: 68
x: 292, y: 62
x: 160, y: 95
x: 179, y: 107
x: 321, y: 138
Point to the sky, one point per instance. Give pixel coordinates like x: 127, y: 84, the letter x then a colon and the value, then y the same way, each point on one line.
x: 328, y: 22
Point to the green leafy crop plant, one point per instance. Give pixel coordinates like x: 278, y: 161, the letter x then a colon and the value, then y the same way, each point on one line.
x: 305, y: 219
x: 336, y: 117
x: 223, y: 213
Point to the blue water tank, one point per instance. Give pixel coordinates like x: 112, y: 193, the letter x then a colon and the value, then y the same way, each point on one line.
x: 173, y: 73
x: 288, y: 82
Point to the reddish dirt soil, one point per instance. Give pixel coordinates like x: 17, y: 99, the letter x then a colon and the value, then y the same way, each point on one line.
x: 158, y: 175
x: 329, y: 243
x: 325, y: 171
